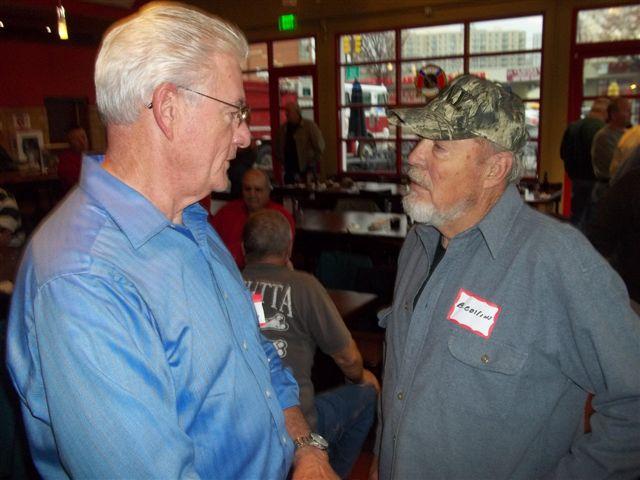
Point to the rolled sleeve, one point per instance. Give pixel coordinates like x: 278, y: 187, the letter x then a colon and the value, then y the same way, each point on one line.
x: 282, y: 379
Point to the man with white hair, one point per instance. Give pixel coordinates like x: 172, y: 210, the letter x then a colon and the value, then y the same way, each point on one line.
x: 133, y: 344
x: 503, y: 321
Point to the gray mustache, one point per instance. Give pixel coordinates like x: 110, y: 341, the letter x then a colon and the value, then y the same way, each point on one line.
x: 416, y: 176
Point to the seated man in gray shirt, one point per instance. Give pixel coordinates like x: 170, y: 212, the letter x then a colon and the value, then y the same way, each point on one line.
x: 298, y: 317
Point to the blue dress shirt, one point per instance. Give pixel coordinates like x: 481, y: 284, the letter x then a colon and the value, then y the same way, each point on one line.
x: 134, y: 346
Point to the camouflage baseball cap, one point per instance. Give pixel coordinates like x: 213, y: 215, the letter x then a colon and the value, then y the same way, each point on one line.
x: 469, y: 107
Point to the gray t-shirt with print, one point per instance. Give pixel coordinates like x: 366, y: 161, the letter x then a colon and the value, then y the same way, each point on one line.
x: 300, y: 316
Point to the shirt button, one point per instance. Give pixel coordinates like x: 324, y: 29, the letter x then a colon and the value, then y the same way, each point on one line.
x: 400, y: 396
x: 268, y: 393
x: 484, y: 358
x: 244, y: 345
x: 284, y: 440
x: 224, y: 294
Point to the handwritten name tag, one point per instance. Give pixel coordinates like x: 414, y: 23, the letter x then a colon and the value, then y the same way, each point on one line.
x: 474, y: 313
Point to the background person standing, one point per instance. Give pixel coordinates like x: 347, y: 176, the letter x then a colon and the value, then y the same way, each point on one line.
x: 299, y: 145
x: 576, y: 155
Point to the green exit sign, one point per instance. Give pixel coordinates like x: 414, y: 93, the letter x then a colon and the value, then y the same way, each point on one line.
x: 287, y: 23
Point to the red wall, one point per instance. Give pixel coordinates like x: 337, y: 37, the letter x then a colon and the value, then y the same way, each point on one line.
x: 31, y: 71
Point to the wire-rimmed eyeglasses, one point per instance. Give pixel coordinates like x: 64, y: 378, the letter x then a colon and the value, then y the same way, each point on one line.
x: 242, y: 111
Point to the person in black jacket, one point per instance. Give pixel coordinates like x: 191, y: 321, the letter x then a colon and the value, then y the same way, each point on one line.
x: 576, y: 154
x: 615, y: 231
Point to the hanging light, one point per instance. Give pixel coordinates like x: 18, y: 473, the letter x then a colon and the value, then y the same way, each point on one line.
x: 62, y: 22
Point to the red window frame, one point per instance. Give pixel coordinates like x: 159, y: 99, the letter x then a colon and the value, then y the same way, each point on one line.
x: 398, y: 61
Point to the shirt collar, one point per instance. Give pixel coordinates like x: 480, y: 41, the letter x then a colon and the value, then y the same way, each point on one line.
x: 494, y: 227
x: 136, y: 216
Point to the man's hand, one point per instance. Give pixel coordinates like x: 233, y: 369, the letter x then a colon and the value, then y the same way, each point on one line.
x: 312, y: 463
x: 368, y: 378
x: 373, y: 468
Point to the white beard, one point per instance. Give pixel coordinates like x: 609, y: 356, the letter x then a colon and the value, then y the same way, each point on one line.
x: 422, y: 211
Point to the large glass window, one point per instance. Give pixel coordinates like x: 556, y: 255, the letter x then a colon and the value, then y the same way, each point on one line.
x: 264, y: 72
x: 611, y: 24
x: 606, y: 53
x: 380, y: 70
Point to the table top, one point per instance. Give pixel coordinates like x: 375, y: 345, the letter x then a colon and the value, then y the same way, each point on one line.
x: 540, y: 197
x: 370, y: 224
x: 358, y: 188
x: 352, y: 304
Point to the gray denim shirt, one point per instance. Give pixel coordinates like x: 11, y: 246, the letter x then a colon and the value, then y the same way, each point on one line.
x: 488, y: 376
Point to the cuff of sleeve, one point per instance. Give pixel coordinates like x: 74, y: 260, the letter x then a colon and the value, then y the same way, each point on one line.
x: 286, y: 389
x: 288, y: 398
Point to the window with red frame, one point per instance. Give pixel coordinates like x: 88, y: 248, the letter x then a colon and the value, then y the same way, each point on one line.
x: 381, y: 70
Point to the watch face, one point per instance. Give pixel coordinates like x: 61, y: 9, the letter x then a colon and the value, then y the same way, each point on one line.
x: 319, y: 440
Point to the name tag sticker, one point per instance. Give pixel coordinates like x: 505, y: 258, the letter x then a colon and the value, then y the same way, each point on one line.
x: 474, y: 313
x: 257, y: 303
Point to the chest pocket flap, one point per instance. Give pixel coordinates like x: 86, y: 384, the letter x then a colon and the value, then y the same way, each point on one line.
x: 488, y: 355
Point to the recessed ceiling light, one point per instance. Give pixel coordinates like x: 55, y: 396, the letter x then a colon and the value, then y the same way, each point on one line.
x: 1, y: 24
x: 48, y: 29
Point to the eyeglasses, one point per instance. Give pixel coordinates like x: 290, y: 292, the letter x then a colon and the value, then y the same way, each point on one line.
x: 242, y: 111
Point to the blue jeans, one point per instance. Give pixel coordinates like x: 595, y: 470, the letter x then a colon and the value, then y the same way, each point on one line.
x: 345, y: 416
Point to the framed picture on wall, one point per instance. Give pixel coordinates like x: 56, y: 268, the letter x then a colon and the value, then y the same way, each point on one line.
x: 30, y: 144
x: 21, y: 121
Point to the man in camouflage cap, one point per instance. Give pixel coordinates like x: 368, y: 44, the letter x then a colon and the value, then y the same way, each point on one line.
x: 471, y: 107
x: 503, y: 319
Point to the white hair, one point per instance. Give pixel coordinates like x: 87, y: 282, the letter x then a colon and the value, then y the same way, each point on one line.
x: 164, y: 42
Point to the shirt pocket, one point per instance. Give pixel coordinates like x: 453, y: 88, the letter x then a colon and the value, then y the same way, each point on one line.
x: 484, y: 375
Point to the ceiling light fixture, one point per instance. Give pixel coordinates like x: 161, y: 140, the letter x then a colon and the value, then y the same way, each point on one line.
x: 48, y: 29
x: 1, y: 24
x: 62, y: 22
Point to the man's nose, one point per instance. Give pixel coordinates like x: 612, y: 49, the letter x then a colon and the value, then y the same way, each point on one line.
x: 417, y: 155
x: 242, y: 136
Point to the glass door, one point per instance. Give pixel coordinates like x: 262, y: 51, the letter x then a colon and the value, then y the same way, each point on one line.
x: 605, y: 63
x: 287, y: 85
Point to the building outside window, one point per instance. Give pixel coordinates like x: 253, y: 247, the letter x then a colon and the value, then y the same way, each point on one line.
x: 383, y: 66
x: 606, y: 53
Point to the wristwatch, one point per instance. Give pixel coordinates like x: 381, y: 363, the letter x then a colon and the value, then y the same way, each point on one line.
x: 313, y: 440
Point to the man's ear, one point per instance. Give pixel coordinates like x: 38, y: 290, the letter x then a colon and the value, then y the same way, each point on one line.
x: 165, y: 108
x: 498, y: 168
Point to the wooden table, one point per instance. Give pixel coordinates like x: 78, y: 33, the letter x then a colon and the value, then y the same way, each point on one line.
x: 353, y: 305
x: 364, y: 233
x: 545, y: 202
x: 357, y: 310
x: 385, y: 196
x: 366, y: 224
